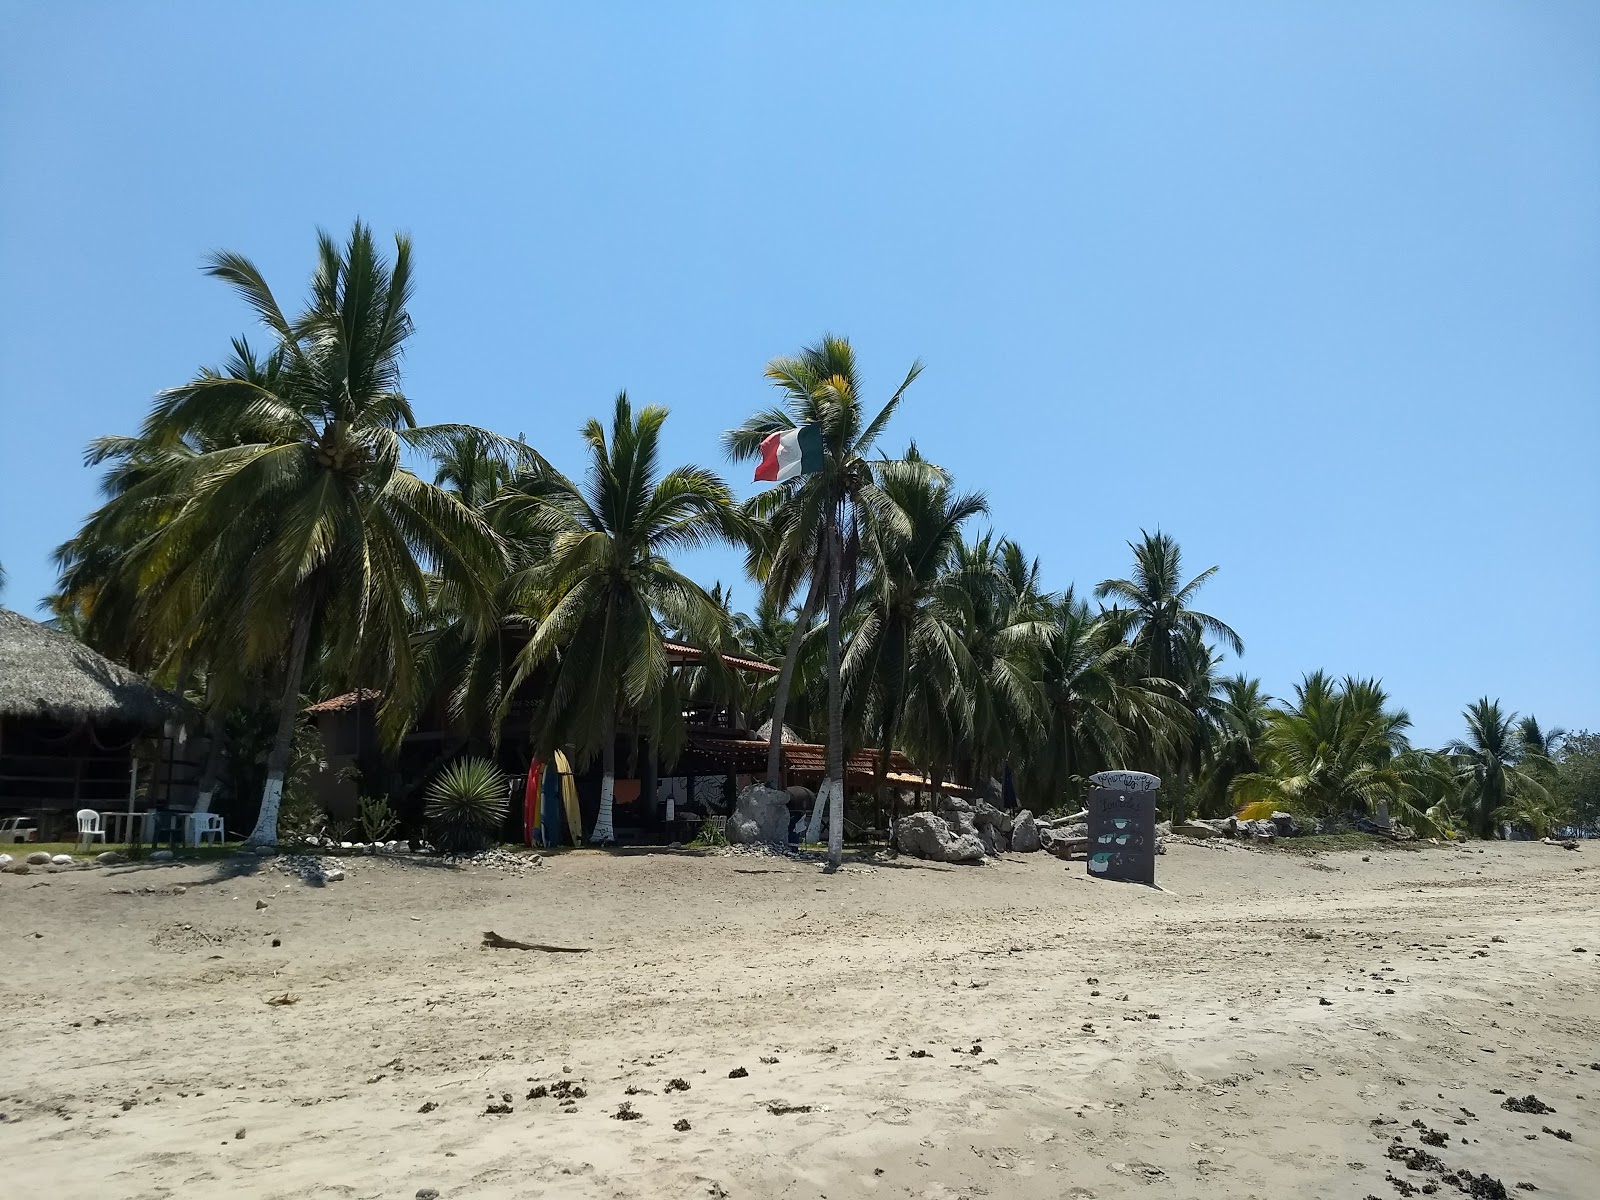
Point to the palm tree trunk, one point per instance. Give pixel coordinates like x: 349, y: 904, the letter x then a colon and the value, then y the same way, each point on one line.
x: 266, y: 830
x: 604, y: 831
x: 780, y: 697
x: 836, y: 774
x: 212, y: 728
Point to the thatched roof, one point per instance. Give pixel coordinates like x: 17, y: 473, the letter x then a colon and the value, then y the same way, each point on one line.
x: 789, y: 738
x: 47, y: 673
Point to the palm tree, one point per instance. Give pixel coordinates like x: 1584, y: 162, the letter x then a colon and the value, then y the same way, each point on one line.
x: 1538, y: 744
x: 815, y: 525
x: 906, y: 633
x: 1339, y: 748
x: 608, y: 591
x: 765, y: 637
x: 1240, y: 717
x: 288, y: 523
x: 1160, y: 617
x: 1095, y: 711
x: 1003, y: 626
x: 1496, y: 783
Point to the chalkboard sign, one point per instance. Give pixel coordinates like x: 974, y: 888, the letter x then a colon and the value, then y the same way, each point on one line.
x: 1122, y: 826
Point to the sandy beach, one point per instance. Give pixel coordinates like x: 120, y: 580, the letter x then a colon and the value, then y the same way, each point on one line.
x: 899, y: 1029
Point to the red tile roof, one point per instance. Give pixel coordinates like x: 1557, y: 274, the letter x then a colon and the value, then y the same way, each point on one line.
x: 678, y: 652
x: 345, y: 702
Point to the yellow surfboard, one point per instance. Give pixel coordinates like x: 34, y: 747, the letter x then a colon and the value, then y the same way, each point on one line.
x: 569, y: 798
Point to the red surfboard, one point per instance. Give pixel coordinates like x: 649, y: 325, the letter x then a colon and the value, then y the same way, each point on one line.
x: 532, y: 802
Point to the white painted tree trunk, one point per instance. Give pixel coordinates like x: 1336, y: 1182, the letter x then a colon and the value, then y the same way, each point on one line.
x: 836, y: 826
x: 814, y: 830
x: 266, y: 831
x: 603, y: 829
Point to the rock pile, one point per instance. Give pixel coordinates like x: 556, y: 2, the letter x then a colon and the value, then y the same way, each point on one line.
x: 501, y: 860
x: 310, y: 868
x: 962, y: 830
x: 1280, y: 824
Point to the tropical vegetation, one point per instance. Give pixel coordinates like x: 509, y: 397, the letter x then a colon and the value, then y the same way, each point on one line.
x: 281, y: 528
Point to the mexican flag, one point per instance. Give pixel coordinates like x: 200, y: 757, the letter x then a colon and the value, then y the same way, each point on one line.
x: 790, y: 453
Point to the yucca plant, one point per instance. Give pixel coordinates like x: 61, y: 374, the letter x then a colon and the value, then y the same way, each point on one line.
x: 466, y: 806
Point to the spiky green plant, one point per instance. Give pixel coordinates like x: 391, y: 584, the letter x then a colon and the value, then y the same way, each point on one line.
x: 466, y: 806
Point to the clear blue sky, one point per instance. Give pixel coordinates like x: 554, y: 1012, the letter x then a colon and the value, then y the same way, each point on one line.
x: 1315, y: 288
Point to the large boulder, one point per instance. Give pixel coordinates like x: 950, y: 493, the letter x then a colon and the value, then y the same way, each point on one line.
x: 1285, y: 824
x: 761, y: 817
x: 1195, y: 828
x: 958, y: 814
x: 987, y: 816
x: 928, y: 835
x: 1024, y: 833
x: 39, y: 858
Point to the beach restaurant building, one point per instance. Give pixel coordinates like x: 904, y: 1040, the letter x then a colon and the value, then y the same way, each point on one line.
x: 74, y: 727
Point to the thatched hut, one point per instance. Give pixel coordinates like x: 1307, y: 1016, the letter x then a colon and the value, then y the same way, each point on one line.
x: 69, y: 723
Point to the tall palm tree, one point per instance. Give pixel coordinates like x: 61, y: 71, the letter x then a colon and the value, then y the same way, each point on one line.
x: 815, y: 523
x: 906, y: 633
x: 1496, y: 783
x: 1095, y: 710
x: 1160, y: 616
x: 608, y: 590
x: 1002, y: 618
x: 292, y: 525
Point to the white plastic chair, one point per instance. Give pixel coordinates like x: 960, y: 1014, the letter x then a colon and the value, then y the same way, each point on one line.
x: 206, y: 825
x: 89, y: 829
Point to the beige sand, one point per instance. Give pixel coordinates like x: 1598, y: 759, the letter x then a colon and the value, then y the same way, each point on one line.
x: 139, y: 1041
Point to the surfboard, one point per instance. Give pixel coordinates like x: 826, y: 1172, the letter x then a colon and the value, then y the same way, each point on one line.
x: 531, y: 806
x: 569, y: 798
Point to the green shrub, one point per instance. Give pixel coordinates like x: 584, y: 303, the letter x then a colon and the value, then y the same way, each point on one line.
x: 377, y: 819
x: 466, y: 805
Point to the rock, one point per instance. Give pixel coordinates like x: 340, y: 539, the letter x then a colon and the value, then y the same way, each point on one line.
x: 334, y: 876
x: 987, y: 816
x: 1024, y: 833
x: 5, y: 860
x: 1285, y: 825
x: 761, y: 817
x: 260, y: 904
x: 929, y: 836
x: 427, y: 1194
x: 63, y: 860
x: 162, y: 856
x: 110, y: 858
x: 20, y: 868
x: 38, y: 858
x: 1195, y: 829
x: 958, y: 814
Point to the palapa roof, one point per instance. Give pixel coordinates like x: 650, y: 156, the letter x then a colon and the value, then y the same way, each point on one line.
x: 47, y: 673
x: 788, y: 738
